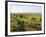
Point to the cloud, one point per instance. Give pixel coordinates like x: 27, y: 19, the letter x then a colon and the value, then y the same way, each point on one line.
x: 25, y: 8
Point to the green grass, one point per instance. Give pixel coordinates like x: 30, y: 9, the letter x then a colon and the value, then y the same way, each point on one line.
x: 28, y: 21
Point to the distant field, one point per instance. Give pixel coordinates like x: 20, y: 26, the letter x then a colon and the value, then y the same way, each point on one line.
x: 25, y: 22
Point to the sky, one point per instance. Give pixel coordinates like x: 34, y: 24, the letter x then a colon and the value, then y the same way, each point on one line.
x: 25, y: 8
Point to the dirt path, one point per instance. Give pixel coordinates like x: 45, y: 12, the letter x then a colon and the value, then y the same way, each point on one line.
x: 30, y: 29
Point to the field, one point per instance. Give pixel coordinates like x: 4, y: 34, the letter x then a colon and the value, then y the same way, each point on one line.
x: 25, y: 22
